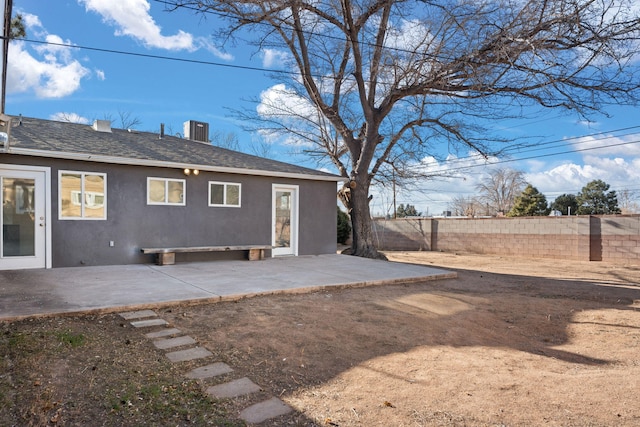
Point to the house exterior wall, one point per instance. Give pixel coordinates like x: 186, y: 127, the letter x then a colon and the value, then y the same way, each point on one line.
x: 132, y: 224
x: 595, y: 238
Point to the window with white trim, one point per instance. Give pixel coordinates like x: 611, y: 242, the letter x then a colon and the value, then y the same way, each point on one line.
x: 82, y: 195
x: 166, y: 191
x: 224, y: 194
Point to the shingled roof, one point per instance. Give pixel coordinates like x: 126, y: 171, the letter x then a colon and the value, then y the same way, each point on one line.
x: 46, y: 138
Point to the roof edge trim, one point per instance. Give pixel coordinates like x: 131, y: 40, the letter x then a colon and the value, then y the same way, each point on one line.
x: 157, y: 163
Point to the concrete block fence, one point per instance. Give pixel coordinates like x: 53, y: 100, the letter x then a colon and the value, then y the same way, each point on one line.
x: 612, y: 238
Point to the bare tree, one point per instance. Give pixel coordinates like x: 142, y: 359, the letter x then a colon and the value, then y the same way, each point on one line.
x: 381, y: 83
x: 227, y: 140
x: 465, y: 206
x: 125, y: 119
x: 499, y: 189
x: 629, y: 201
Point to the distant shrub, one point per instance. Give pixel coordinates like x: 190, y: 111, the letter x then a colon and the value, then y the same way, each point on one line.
x: 344, y: 227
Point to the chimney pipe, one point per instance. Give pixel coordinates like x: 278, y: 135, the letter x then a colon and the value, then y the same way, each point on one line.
x: 161, y: 130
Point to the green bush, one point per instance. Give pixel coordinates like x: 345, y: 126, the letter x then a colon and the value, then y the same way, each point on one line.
x: 344, y: 227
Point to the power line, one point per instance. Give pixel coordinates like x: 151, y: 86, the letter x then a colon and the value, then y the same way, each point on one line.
x: 549, y: 144
x: 489, y: 163
x: 161, y: 57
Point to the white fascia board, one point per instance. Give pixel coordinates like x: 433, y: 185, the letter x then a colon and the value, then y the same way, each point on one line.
x: 174, y: 165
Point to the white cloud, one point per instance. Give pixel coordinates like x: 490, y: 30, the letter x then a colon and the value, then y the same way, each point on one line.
x: 132, y: 18
x: 283, y: 104
x: 100, y: 75
x: 32, y: 23
x: 273, y: 58
x: 53, y: 74
x: 627, y: 145
x: 212, y: 48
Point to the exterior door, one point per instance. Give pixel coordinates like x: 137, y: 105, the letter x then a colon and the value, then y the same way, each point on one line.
x: 285, y: 220
x: 23, y: 235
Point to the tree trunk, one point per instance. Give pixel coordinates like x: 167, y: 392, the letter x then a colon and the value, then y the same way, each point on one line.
x: 363, y: 239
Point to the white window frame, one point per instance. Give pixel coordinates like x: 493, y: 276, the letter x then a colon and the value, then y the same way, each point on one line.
x: 82, y: 195
x: 166, y: 191
x: 225, y: 185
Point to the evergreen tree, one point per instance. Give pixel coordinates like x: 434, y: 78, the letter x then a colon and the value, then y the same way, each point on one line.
x: 595, y: 199
x: 405, y: 211
x: 565, y: 203
x: 529, y: 203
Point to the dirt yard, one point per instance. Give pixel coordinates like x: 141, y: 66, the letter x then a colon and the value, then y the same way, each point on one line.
x: 513, y: 342
x: 510, y: 342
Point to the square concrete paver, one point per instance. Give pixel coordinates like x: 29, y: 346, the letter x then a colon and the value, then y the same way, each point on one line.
x: 263, y: 411
x: 189, y: 354
x: 210, y: 371
x: 129, y: 315
x: 147, y: 323
x: 233, y: 388
x: 167, y: 332
x: 164, y: 344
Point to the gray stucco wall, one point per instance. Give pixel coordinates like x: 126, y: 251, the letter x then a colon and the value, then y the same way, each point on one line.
x: 132, y: 224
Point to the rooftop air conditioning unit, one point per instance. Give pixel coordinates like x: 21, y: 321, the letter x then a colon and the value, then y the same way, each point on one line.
x: 102, y: 126
x: 196, y: 131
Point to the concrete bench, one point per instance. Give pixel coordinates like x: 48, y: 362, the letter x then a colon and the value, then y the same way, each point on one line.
x: 167, y: 256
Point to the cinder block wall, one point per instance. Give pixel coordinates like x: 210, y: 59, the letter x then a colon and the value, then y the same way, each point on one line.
x: 620, y: 237
x: 608, y: 238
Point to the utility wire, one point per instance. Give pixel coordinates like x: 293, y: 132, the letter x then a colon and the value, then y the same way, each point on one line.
x: 162, y: 57
x: 490, y: 163
x: 538, y: 146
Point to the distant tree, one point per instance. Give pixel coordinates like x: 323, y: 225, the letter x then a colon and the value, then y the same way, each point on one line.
x: 629, y: 201
x: 344, y: 226
x: 465, y: 206
x: 405, y: 211
x: 595, y: 199
x: 499, y: 190
x: 124, y: 120
x: 227, y: 140
x: 17, y: 28
x: 530, y: 202
x: 566, y: 204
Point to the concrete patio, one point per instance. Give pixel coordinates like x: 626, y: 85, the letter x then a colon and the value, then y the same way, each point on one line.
x: 25, y: 293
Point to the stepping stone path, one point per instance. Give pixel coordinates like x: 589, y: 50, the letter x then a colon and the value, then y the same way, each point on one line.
x: 169, y: 338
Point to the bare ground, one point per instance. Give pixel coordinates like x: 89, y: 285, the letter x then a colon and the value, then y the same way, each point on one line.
x: 514, y: 342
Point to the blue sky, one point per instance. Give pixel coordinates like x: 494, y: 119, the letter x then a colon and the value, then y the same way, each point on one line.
x: 49, y: 81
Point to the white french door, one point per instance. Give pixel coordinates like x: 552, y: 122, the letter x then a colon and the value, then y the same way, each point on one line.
x: 285, y: 220
x: 23, y: 221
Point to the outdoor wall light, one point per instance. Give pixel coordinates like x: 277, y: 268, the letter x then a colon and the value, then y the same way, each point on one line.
x: 188, y: 171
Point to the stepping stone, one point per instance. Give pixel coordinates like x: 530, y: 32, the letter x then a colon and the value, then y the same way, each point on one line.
x: 209, y: 371
x: 189, y: 354
x: 150, y: 322
x: 138, y: 314
x: 174, y: 342
x: 263, y: 411
x: 163, y: 333
x: 233, y: 388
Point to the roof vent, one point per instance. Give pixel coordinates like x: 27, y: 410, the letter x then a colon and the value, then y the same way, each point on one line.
x: 102, y: 126
x: 196, y: 131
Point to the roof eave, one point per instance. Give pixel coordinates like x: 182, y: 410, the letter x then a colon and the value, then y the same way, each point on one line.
x: 157, y: 163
